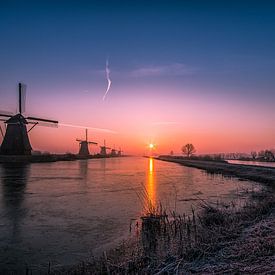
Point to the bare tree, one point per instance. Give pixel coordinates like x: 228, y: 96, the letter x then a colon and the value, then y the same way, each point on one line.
x: 269, y: 155
x: 188, y: 149
x: 253, y: 154
x: 266, y: 155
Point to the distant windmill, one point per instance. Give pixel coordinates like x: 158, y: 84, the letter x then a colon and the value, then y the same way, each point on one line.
x: 113, y: 152
x: 16, y: 140
x: 103, y: 149
x: 84, y: 145
x: 119, y: 152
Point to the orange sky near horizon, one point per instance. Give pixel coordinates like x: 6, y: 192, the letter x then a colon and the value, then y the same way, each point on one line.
x: 211, y: 128
x: 212, y: 124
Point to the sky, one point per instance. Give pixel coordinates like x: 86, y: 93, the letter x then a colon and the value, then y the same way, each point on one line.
x: 198, y: 72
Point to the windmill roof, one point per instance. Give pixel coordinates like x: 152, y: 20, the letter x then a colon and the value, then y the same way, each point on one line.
x: 17, y: 119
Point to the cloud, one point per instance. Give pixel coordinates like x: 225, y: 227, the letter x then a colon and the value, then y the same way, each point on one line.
x: 88, y: 127
x: 174, y: 69
x: 109, y: 81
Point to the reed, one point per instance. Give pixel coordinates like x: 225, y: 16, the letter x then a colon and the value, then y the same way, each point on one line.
x: 217, y: 239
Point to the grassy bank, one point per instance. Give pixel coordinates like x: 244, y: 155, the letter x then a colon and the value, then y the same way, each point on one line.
x: 248, y: 172
x: 215, y: 240
x: 218, y: 240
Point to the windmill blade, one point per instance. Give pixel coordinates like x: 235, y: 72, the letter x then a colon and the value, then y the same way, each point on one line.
x: 42, y: 120
x: 2, y: 132
x: 5, y: 114
x: 79, y: 140
x: 91, y: 142
x: 43, y: 123
x: 22, y: 97
x: 46, y: 124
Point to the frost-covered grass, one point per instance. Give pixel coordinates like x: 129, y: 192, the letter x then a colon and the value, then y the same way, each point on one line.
x: 255, y: 173
x: 217, y: 240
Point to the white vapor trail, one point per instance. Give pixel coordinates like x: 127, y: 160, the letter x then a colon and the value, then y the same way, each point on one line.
x: 107, y: 70
x: 87, y: 127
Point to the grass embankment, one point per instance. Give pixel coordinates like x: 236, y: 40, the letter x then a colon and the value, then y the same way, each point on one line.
x: 248, y: 172
x: 218, y: 240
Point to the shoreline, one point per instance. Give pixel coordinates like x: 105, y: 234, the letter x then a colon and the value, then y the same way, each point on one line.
x: 49, y: 158
x: 260, y: 174
x: 218, y: 240
x: 213, y: 239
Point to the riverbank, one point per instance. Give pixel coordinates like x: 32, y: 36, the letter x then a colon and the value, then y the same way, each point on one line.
x: 260, y: 174
x: 216, y: 239
x: 49, y: 158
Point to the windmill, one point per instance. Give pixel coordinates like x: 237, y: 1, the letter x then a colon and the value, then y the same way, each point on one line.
x: 84, y: 145
x: 16, y: 140
x: 119, y: 152
x: 113, y: 152
x: 103, y: 149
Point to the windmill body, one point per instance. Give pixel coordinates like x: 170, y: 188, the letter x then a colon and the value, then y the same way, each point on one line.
x: 119, y: 152
x: 84, y: 146
x: 103, y: 149
x: 113, y: 153
x: 84, y: 149
x: 16, y: 140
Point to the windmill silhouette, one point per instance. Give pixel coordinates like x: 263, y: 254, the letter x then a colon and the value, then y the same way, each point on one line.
x: 84, y: 145
x: 16, y: 140
x: 103, y: 149
x: 113, y: 152
x: 119, y: 152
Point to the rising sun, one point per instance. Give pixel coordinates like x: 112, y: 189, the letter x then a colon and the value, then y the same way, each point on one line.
x: 151, y: 146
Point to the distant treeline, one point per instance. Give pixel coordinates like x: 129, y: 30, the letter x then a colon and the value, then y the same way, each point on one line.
x: 263, y: 155
x: 212, y: 157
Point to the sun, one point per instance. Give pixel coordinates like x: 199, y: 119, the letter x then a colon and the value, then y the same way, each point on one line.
x: 151, y: 145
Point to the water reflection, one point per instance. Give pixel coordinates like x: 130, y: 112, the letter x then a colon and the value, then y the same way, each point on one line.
x: 47, y: 212
x: 151, y: 188
x: 83, y: 170
x: 14, y: 180
x: 103, y: 165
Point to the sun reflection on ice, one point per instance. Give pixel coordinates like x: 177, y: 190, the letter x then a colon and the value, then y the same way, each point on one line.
x: 151, y: 190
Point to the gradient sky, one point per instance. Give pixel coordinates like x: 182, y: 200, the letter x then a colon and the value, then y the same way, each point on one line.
x: 182, y: 71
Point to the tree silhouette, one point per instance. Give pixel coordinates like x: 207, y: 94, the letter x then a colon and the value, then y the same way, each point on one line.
x: 253, y: 155
x: 188, y: 149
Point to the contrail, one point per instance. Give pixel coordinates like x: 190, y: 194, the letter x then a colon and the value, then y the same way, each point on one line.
x: 87, y: 127
x: 108, y: 79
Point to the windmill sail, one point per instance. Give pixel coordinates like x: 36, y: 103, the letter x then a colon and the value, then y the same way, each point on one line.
x: 2, y: 133
x: 91, y: 142
x: 5, y: 114
x: 42, y: 121
x: 22, y: 97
